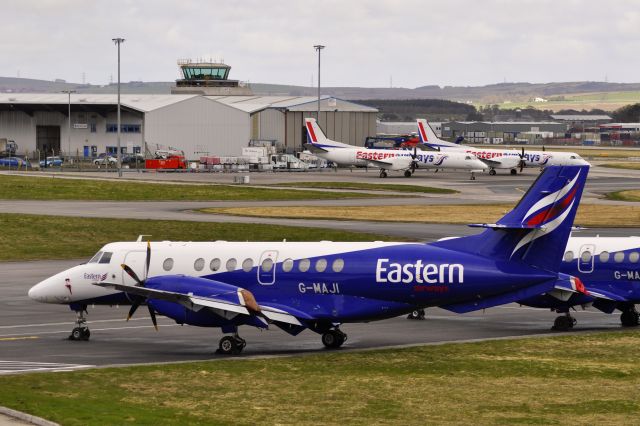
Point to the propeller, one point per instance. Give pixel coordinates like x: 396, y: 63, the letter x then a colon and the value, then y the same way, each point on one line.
x: 138, y: 300
x: 414, y: 162
x: 522, y: 163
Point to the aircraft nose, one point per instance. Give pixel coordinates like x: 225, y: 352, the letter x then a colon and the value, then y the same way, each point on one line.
x: 50, y: 290
x: 36, y: 292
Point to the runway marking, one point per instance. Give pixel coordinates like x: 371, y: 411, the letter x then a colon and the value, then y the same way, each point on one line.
x: 6, y: 339
x: 11, y: 367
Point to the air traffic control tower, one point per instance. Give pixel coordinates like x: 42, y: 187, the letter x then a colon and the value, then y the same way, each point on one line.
x: 207, y: 78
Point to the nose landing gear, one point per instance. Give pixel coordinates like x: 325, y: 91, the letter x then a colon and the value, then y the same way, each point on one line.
x: 81, y: 330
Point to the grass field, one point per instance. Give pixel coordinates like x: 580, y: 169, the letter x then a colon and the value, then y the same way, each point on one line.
x: 628, y: 195
x: 608, y: 101
x: 628, y: 166
x: 596, y: 215
x: 579, y: 379
x: 48, y: 188
x: 34, y: 237
x: 369, y: 187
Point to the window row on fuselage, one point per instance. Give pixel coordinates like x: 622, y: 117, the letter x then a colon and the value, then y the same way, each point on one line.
x: 604, y: 256
x: 267, y: 264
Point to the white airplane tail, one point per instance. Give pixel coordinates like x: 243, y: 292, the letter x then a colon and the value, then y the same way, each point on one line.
x: 317, y: 137
x: 428, y: 136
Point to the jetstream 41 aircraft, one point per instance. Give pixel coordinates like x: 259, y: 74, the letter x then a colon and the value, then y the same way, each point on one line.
x: 509, y: 159
x: 318, y: 286
x: 387, y: 159
x: 610, y: 271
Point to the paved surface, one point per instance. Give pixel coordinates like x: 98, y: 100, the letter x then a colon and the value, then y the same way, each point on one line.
x: 33, y: 336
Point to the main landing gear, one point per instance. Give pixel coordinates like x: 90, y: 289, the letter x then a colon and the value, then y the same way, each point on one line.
x: 492, y: 172
x: 81, y: 330
x: 564, y: 322
x: 473, y: 176
x: 407, y: 173
x: 334, y: 338
x: 514, y: 172
x: 630, y: 317
x: 231, y: 345
x: 418, y: 314
x: 383, y: 173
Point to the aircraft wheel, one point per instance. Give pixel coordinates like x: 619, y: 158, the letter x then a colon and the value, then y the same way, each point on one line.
x: 231, y: 345
x: 383, y: 174
x: 333, y: 339
x: 418, y: 314
x: 77, y: 334
x: 564, y: 323
x: 86, y: 334
x: 492, y: 172
x: 630, y: 318
x: 514, y: 172
x: 407, y: 173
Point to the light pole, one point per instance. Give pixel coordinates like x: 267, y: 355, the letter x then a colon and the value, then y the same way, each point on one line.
x: 69, y: 92
x: 318, y: 47
x: 119, y: 41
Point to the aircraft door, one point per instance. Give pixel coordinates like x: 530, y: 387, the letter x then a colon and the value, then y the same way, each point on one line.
x: 136, y: 261
x: 586, y: 258
x: 267, y: 267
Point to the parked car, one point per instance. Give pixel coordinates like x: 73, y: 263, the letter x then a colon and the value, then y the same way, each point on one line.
x: 51, y: 162
x: 16, y: 162
x: 107, y: 159
x: 133, y: 159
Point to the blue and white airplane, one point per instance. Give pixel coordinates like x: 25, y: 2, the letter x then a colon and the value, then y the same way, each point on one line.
x: 321, y: 285
x: 388, y: 159
x: 509, y: 159
x: 610, y: 270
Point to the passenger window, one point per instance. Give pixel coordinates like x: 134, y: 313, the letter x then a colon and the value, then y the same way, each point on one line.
x: 303, y: 265
x: 568, y: 256
x: 247, y: 265
x: 198, y: 265
x: 267, y: 265
x: 287, y: 265
x: 604, y: 257
x: 321, y: 265
x: 96, y: 257
x: 106, y: 257
x: 337, y: 265
x: 618, y: 257
x: 214, y: 265
x: 231, y: 264
x: 585, y: 256
x: 167, y: 265
x: 634, y: 256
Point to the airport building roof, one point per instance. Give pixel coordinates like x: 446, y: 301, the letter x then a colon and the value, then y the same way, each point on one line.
x: 142, y: 103
x: 252, y: 104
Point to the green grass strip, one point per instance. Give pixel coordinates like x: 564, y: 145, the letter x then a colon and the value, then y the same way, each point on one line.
x: 369, y: 187
x: 34, y: 237
x: 48, y: 188
x: 580, y: 379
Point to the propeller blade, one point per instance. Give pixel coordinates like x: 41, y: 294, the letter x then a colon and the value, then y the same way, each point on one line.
x: 543, y: 148
x: 132, y: 274
x: 147, y: 260
x: 522, y: 155
x: 153, y: 317
x: 134, y: 306
x: 521, y: 165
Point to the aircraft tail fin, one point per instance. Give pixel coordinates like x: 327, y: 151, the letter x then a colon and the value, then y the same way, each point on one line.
x: 317, y: 138
x: 429, y: 137
x: 537, y: 229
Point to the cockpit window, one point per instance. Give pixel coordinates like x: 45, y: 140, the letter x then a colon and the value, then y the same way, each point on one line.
x: 95, y: 258
x: 106, y: 257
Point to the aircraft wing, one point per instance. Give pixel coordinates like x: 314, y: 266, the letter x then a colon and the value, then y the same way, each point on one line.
x: 246, y: 304
x: 490, y: 163
x: 391, y: 163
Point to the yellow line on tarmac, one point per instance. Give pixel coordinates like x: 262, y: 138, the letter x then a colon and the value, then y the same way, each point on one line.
x: 5, y: 339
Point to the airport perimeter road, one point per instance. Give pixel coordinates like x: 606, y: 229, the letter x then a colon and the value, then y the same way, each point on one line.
x: 33, y: 335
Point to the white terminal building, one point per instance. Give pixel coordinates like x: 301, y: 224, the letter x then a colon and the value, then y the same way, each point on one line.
x: 206, y: 114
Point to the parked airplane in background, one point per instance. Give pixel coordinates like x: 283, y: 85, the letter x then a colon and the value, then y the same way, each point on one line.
x: 318, y: 286
x: 610, y: 271
x: 510, y: 159
x: 388, y: 159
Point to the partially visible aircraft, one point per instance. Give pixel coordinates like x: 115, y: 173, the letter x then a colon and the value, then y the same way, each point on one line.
x: 509, y: 159
x: 609, y: 269
x: 388, y: 159
x: 321, y: 285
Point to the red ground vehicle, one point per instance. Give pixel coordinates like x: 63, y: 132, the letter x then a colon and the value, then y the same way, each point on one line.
x: 171, y: 162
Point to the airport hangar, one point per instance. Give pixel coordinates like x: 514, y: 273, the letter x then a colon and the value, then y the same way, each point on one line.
x: 196, y: 124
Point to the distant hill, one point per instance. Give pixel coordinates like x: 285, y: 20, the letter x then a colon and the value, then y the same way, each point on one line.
x: 577, y: 95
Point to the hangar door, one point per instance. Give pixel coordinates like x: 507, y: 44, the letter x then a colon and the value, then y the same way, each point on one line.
x: 48, y: 139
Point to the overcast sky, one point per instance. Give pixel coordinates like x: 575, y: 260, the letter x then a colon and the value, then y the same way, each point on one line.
x: 368, y: 43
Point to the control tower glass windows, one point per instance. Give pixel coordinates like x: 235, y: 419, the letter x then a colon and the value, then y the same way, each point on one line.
x: 205, y: 73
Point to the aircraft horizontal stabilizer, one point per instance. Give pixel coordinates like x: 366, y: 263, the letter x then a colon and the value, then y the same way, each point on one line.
x: 314, y: 148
